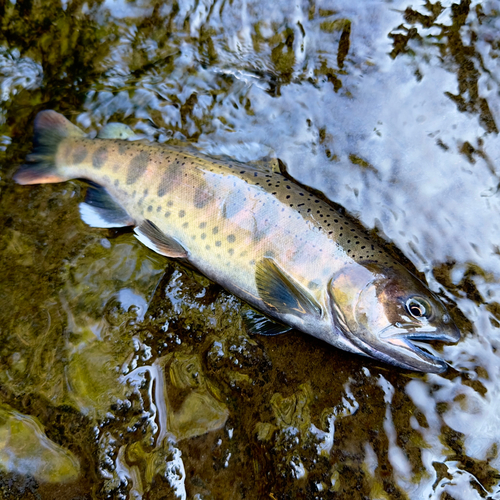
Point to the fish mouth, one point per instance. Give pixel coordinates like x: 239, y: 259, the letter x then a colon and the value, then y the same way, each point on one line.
x: 404, y: 351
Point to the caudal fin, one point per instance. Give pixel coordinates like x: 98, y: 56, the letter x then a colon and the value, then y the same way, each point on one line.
x: 50, y: 128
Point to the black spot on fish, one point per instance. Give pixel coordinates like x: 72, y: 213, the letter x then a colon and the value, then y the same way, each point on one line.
x: 170, y: 203
x: 182, y: 213
x: 150, y: 208
x: 158, y: 208
x: 136, y: 167
x: 217, y: 243
x: 203, y: 236
x: 215, y: 230
x: 230, y: 251
x: 79, y: 155
x: 167, y: 214
x: 202, y: 225
x: 186, y: 224
x: 99, y: 157
x: 231, y: 238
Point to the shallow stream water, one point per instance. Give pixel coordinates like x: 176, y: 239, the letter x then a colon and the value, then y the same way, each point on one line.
x: 125, y: 375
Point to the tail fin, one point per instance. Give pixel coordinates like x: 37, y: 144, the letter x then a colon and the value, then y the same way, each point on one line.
x: 50, y: 129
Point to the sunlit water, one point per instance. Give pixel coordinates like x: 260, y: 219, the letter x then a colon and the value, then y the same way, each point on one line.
x: 125, y: 375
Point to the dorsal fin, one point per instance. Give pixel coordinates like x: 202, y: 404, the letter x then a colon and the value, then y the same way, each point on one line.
x: 115, y: 130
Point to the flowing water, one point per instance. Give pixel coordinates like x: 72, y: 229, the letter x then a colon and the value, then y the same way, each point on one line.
x: 125, y: 375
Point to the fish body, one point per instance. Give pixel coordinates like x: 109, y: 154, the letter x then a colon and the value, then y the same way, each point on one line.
x: 283, y: 250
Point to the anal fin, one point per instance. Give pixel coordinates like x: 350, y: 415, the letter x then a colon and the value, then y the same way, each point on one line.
x: 257, y: 323
x: 280, y: 292
x: 100, y: 210
x: 155, y: 239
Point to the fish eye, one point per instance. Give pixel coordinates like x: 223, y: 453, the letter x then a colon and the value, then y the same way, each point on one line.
x: 418, y: 307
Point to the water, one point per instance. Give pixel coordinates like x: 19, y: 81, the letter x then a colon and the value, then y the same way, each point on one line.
x: 126, y: 375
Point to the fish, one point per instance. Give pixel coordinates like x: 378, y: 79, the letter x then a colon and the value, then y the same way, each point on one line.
x: 297, y: 261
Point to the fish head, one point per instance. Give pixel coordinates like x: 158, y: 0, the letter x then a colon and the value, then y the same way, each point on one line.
x: 383, y: 310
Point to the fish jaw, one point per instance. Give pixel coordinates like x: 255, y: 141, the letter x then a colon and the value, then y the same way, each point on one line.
x: 400, y: 340
x: 399, y: 349
x: 397, y: 343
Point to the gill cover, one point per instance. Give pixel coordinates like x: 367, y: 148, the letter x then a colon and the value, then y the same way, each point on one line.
x: 381, y: 310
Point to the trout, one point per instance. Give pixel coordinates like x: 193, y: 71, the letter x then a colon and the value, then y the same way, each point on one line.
x: 290, y: 255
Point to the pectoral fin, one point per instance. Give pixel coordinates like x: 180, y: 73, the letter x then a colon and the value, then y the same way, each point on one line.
x: 257, y: 323
x: 279, y: 291
x: 151, y: 236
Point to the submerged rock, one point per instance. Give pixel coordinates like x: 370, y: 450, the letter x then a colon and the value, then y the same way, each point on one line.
x: 26, y: 450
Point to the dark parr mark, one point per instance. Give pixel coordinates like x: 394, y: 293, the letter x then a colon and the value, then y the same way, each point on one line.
x: 162, y: 190
x: 79, y: 155
x: 99, y: 157
x: 232, y: 205
x: 169, y: 179
x: 202, y: 197
x: 136, y: 167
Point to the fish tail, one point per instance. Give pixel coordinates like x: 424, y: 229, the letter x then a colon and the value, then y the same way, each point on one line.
x: 50, y: 129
